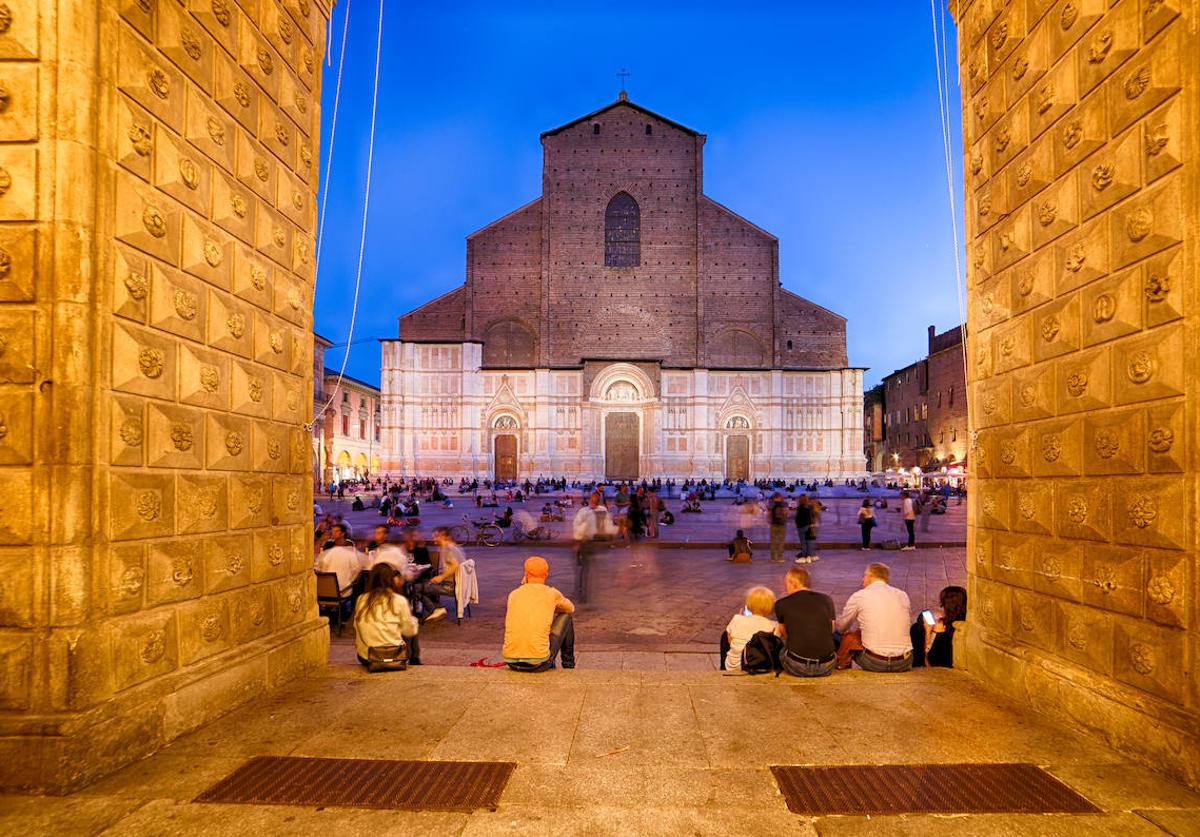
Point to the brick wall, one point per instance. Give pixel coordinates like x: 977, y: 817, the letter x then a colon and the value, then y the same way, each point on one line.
x: 706, y: 291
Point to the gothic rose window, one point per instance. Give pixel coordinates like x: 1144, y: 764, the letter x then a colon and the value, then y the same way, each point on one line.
x: 622, y: 232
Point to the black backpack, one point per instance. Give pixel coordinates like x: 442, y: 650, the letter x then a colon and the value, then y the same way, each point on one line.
x: 762, y: 654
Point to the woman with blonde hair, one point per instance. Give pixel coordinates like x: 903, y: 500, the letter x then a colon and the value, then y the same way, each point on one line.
x: 754, y: 617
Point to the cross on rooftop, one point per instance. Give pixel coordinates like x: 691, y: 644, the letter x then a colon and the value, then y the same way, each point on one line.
x: 622, y: 75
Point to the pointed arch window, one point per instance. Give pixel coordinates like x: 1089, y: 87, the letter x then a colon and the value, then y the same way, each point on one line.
x: 622, y: 232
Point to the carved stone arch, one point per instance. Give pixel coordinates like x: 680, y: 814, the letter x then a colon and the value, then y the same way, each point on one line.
x: 509, y: 342
x: 617, y: 374
x: 737, y: 348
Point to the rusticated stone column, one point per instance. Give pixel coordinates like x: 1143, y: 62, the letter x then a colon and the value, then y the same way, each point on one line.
x: 1083, y: 204
x: 157, y: 179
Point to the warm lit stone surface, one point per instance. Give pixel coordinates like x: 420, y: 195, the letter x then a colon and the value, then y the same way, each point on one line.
x: 159, y: 189
x: 607, y: 751
x: 1081, y: 215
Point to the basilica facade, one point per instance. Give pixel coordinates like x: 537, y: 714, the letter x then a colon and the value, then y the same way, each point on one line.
x: 623, y: 325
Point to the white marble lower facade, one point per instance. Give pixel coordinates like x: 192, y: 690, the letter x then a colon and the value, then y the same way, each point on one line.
x: 445, y: 416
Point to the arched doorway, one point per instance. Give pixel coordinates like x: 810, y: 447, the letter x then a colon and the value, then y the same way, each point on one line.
x: 621, y: 448
x: 737, y: 458
x: 506, y: 457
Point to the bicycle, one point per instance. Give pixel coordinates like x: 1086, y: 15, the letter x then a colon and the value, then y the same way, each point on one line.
x: 487, y: 533
x: 537, y: 533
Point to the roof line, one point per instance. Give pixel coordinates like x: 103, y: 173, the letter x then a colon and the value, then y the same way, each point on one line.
x: 333, y: 373
x: 504, y: 217
x: 745, y: 221
x: 814, y: 304
x: 621, y: 101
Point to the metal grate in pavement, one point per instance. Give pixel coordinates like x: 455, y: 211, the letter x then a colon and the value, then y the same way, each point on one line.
x: 926, y: 789
x: 364, y: 783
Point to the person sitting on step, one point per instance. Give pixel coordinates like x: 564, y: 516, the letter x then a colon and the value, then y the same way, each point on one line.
x: 754, y: 617
x: 382, y: 618
x: 932, y: 634
x: 806, y: 625
x: 741, y: 548
x: 881, y: 642
x: 538, y: 623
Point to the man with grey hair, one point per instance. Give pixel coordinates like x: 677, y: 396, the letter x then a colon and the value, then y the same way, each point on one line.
x: 881, y: 642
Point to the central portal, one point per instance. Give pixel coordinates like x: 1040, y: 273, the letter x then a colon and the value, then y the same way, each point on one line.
x: 621, y: 446
x: 737, y: 458
x: 506, y: 458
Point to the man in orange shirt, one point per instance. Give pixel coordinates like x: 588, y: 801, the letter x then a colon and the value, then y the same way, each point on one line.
x: 538, y: 624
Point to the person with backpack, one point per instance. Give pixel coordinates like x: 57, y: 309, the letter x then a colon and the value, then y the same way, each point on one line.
x: 866, y: 522
x: 777, y: 517
x: 754, y: 617
x: 806, y: 624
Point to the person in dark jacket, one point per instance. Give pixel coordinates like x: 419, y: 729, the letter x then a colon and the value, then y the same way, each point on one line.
x: 933, y: 645
x: 804, y: 525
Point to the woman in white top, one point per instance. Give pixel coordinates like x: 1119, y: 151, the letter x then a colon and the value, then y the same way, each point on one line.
x: 382, y: 616
x: 760, y: 604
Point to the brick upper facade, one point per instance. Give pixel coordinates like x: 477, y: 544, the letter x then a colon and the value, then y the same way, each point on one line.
x: 705, y: 291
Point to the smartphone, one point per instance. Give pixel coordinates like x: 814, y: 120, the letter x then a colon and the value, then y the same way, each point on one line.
x: 927, y: 615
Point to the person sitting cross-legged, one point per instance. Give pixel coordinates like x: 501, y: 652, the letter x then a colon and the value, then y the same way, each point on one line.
x: 382, y: 618
x: 806, y: 624
x: 537, y: 623
x: 881, y: 642
x: 741, y: 548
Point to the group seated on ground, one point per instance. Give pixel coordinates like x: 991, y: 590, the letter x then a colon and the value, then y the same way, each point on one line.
x: 872, y: 632
x: 393, y: 588
x: 741, y: 548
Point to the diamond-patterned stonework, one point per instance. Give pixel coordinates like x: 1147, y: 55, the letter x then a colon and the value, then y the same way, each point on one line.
x: 1080, y: 166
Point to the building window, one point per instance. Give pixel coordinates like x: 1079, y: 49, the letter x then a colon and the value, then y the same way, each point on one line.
x: 649, y: 129
x: 622, y: 232
x: 362, y: 428
x: 951, y: 396
x: 377, y: 433
x: 595, y: 128
x: 789, y: 344
x: 345, y: 425
x: 953, y: 434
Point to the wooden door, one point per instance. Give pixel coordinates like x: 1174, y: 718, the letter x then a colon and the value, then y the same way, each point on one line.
x: 737, y: 458
x: 506, y: 457
x: 621, y: 447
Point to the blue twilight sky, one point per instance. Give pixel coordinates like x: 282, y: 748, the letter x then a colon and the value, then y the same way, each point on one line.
x: 822, y: 120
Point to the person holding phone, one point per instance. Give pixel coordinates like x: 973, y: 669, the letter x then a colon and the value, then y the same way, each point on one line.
x: 933, y: 635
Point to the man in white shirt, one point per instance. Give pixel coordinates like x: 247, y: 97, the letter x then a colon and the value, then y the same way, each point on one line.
x: 590, y: 522
x: 909, y: 513
x: 882, y: 641
x: 345, y: 562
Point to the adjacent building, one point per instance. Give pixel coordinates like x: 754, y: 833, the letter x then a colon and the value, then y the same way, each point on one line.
x: 917, y: 418
x: 622, y: 325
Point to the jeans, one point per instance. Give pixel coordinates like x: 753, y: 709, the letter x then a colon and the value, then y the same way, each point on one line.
x: 807, y: 668
x: 583, y: 570
x: 912, y: 538
x: 806, y: 543
x: 431, y: 593
x: 869, y: 663
x: 778, y: 533
x: 562, y: 640
x: 866, y: 534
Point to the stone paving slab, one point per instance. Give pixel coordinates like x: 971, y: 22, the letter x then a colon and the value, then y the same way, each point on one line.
x: 608, y: 751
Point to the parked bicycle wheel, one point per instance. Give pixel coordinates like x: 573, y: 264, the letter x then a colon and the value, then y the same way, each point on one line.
x: 491, y: 535
x: 461, y: 534
x: 518, y: 533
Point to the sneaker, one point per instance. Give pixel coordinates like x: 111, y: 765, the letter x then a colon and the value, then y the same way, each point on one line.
x: 908, y: 549
x: 569, y: 665
x: 440, y: 613
x: 803, y: 560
